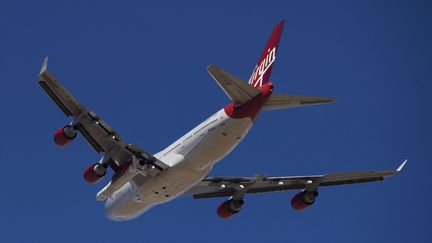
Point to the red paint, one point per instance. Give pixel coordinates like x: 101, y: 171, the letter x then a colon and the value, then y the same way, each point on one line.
x: 60, y: 139
x: 90, y: 175
x: 223, y: 210
x: 297, y: 202
x: 252, y: 108
x: 267, y: 57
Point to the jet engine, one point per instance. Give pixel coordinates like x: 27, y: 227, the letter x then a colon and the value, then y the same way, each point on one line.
x: 303, y: 200
x: 94, y: 173
x: 64, y: 135
x: 229, y: 208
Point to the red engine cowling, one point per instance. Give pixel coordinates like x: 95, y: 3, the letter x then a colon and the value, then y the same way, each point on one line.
x: 229, y: 208
x: 64, y: 135
x: 94, y: 173
x: 303, y: 200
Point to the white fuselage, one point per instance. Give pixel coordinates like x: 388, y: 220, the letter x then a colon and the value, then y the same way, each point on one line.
x: 190, y: 159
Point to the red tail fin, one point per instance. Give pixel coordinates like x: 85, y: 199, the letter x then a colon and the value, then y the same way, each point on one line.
x: 262, y: 71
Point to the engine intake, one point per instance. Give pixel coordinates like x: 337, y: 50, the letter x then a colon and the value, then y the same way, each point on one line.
x: 229, y: 208
x: 303, y: 200
x: 94, y: 173
x: 64, y: 135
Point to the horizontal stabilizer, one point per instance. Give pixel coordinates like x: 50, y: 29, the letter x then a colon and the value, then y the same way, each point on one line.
x: 283, y: 101
x: 237, y: 90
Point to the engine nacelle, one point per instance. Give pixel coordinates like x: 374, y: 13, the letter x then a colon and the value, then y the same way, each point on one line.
x: 229, y: 208
x: 94, y: 173
x: 303, y: 200
x: 64, y: 135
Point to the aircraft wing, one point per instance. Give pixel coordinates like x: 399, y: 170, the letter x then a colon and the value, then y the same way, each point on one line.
x: 96, y: 131
x: 229, y: 186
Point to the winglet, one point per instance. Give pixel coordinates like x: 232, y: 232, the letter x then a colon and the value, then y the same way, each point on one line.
x: 44, y: 66
x: 401, y: 166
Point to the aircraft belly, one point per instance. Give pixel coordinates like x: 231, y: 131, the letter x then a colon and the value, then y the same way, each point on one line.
x: 170, y: 184
x: 217, y: 143
x: 189, y: 168
x: 133, y: 200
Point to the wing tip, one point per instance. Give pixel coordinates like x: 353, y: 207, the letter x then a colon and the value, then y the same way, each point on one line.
x: 44, y: 66
x: 327, y: 100
x: 212, y: 68
x: 401, y: 166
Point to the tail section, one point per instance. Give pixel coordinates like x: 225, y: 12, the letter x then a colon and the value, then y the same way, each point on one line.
x: 262, y: 71
x: 241, y: 93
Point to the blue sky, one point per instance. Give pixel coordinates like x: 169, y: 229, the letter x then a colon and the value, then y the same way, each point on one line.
x: 142, y: 67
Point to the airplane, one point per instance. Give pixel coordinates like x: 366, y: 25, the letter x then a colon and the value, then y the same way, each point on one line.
x: 142, y: 180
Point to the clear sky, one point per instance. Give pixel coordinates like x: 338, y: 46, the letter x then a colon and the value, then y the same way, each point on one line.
x: 142, y: 67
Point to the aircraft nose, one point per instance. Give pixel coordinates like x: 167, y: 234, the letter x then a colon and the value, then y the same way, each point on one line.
x: 110, y: 209
x: 115, y: 217
x: 124, y: 210
x: 112, y: 212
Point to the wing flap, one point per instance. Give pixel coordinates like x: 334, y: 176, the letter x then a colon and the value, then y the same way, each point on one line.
x: 88, y: 137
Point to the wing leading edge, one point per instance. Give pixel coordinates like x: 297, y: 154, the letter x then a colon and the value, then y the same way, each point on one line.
x: 228, y: 186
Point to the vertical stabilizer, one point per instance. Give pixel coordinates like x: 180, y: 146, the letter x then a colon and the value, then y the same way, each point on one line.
x: 262, y: 71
